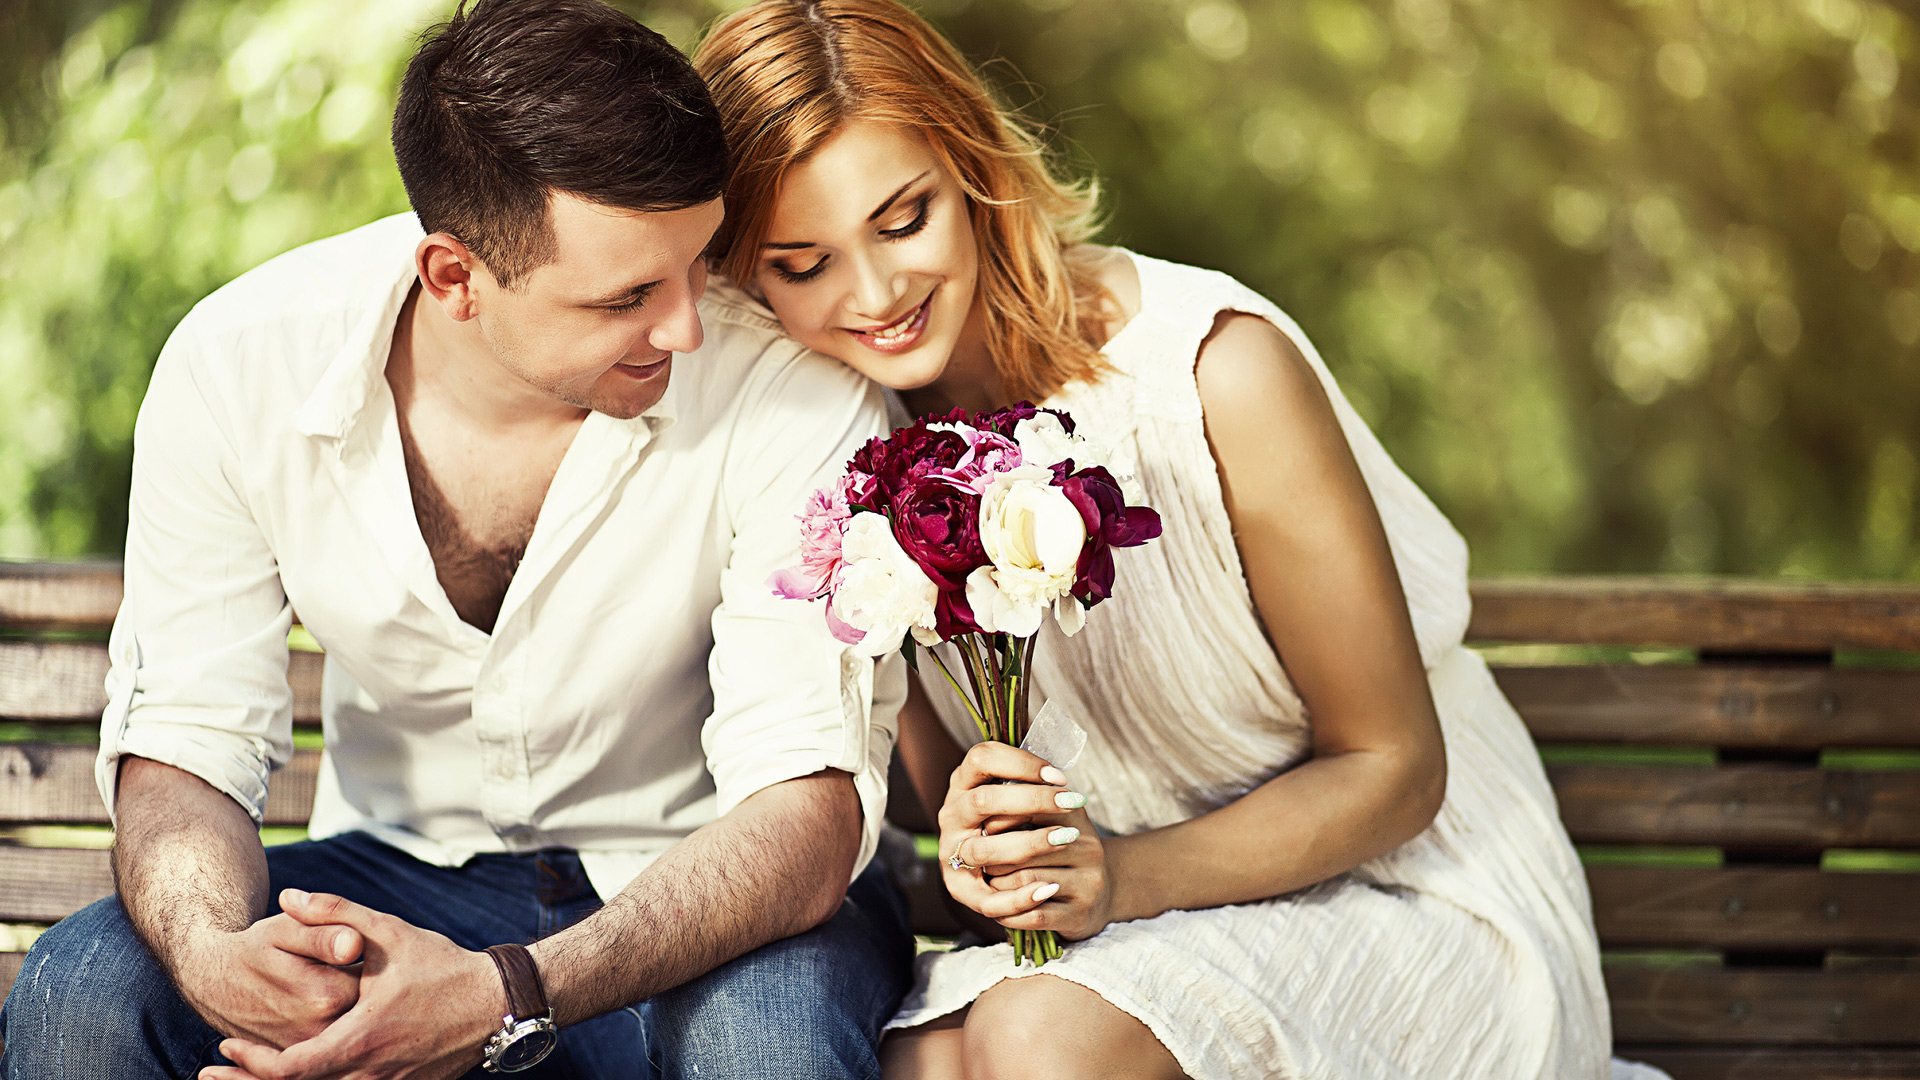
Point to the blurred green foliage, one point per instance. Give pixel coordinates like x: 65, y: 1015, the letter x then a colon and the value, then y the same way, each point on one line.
x: 1625, y: 284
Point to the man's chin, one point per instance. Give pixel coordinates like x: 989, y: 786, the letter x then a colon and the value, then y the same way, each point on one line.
x: 624, y: 397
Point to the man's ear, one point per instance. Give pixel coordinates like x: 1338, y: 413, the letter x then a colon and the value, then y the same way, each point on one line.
x: 448, y: 272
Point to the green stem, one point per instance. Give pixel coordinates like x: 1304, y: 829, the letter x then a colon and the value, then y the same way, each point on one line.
x: 961, y: 694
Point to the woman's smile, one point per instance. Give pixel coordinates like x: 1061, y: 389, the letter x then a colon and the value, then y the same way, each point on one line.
x: 897, y: 336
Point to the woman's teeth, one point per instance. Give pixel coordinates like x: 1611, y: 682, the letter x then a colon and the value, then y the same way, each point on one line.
x: 899, y: 334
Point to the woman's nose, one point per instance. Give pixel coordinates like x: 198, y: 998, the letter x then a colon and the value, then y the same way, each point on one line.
x: 873, y: 288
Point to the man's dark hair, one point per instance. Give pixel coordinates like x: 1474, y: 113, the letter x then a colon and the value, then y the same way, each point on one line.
x: 515, y: 99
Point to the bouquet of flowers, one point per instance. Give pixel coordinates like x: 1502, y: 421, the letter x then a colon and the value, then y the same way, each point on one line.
x: 969, y: 529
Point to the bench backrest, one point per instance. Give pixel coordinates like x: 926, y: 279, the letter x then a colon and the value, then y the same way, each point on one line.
x: 1739, y: 761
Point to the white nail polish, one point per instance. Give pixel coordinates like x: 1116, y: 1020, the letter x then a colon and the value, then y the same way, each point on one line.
x: 1062, y: 836
x: 1045, y: 891
x: 1052, y: 775
x: 1069, y: 800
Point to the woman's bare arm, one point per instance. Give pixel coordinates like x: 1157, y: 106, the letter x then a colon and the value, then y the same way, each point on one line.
x: 1324, y: 583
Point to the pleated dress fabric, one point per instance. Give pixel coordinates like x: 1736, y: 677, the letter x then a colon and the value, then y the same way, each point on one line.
x: 1467, y: 952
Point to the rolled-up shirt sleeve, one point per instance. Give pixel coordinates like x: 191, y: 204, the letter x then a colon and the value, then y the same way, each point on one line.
x: 198, y: 678
x: 790, y: 700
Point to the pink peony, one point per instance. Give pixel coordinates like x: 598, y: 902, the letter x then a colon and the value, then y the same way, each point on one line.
x: 821, y: 525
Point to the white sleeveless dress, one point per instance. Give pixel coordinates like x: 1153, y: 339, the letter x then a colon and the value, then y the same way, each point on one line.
x: 1468, y: 952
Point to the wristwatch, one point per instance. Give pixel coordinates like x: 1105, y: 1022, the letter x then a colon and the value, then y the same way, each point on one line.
x: 526, y: 1033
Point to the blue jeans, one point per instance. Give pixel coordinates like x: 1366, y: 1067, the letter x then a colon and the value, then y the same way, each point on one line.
x: 92, y: 1003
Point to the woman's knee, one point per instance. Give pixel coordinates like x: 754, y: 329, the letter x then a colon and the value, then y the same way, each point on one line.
x: 1042, y: 1025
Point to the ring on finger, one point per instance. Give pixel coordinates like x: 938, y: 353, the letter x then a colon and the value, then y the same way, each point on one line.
x: 954, y: 860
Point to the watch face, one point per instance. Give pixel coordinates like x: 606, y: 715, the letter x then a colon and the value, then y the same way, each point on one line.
x: 531, y: 1040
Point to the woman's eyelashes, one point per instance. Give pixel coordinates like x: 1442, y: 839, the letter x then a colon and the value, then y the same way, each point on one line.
x: 922, y: 210
x: 919, y: 221
x: 796, y: 277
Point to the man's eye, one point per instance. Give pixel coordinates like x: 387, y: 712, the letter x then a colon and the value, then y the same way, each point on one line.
x: 796, y: 277
x: 639, y: 298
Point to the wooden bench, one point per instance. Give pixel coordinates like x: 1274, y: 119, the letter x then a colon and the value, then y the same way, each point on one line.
x: 1740, y: 762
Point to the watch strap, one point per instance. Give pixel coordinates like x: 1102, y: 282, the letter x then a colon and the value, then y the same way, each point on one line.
x: 526, y: 998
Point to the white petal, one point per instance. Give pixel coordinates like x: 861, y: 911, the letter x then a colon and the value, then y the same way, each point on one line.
x: 1070, y: 615
x: 1059, y: 532
x: 925, y: 636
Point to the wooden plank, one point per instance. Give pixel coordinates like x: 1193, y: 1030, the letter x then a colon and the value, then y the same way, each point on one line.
x: 46, y: 784
x: 1800, y: 708
x: 1770, y: 1007
x: 1773, y: 1063
x: 1739, y: 806
x: 9, y: 971
x: 48, y: 884
x: 52, y: 681
x: 59, y: 595
x: 1713, y: 613
x: 65, y: 682
x: 1754, y: 908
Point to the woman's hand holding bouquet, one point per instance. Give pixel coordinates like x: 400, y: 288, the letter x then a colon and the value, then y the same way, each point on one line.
x: 969, y: 529
x: 1041, y: 865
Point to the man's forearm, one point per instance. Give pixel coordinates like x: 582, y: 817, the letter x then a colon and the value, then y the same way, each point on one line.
x: 186, y: 858
x: 778, y: 864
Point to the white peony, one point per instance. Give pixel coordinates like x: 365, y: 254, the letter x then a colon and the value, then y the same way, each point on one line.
x: 882, y: 591
x: 1045, y: 441
x: 1033, y: 534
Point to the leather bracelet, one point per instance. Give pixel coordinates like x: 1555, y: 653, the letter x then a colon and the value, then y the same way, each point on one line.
x: 526, y: 997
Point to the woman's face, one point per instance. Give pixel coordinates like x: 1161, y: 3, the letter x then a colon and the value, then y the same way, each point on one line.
x: 870, y: 256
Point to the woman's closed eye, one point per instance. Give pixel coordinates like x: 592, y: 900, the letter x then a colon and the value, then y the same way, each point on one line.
x: 921, y: 208
x: 795, y: 277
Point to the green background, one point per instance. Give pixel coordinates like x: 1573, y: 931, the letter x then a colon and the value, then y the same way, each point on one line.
x: 1625, y: 285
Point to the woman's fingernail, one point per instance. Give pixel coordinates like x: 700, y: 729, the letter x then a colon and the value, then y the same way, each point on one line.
x: 1045, y: 891
x: 1052, y: 775
x: 1062, y: 836
x: 1069, y: 800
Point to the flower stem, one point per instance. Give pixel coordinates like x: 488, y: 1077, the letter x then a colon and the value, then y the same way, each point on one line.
x: 961, y: 694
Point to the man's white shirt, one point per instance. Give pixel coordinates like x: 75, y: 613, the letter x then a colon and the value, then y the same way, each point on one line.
x: 641, y: 679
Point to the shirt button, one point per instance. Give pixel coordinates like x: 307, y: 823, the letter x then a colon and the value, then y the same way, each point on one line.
x: 503, y: 768
x: 497, y: 684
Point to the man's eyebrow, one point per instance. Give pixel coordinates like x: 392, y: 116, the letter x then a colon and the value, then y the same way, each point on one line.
x: 885, y: 205
x: 624, y: 295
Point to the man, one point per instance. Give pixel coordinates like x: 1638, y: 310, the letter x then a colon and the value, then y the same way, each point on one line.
x: 534, y: 543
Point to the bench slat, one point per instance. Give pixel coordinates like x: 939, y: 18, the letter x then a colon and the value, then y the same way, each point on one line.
x: 1714, y: 1005
x: 1707, y: 613
x: 49, y: 884
x: 63, y: 596
x: 65, y: 681
x: 45, y: 784
x: 1754, y: 908
x: 1737, y: 806
x: 1608, y: 610
x: 1751, y: 807
x: 1867, y: 1063
x: 1798, y: 708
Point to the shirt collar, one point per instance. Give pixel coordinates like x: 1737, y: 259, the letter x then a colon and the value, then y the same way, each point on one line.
x: 339, y: 399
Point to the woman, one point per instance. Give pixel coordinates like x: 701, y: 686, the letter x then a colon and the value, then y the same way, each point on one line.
x: 1308, y: 836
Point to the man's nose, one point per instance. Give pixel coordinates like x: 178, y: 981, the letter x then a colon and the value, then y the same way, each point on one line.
x: 679, y: 328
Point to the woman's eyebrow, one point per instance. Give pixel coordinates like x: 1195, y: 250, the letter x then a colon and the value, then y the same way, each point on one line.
x: 895, y: 197
x: 885, y: 205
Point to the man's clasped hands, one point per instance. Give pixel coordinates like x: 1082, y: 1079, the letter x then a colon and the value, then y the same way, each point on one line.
x: 327, y: 984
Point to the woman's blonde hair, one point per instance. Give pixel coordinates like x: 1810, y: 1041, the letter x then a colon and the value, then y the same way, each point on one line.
x: 789, y: 74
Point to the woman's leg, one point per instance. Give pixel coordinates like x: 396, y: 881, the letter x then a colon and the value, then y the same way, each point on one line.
x: 1033, y: 1026
x: 929, y: 1051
